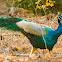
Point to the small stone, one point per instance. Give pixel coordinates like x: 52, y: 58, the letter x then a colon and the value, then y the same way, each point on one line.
x: 39, y: 56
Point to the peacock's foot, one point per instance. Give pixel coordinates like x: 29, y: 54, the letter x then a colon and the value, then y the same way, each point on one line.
x: 51, y: 57
x: 34, y: 56
x: 55, y: 57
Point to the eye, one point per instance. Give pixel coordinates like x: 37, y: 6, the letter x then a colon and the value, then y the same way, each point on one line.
x: 60, y: 18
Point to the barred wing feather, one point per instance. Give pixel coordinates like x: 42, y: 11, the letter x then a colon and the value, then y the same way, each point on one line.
x: 34, y: 28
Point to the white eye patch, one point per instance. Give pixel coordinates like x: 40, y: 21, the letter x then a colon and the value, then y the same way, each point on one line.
x: 60, y: 18
x: 61, y: 21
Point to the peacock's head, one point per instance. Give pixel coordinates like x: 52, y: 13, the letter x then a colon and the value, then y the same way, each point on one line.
x: 60, y: 19
x: 60, y: 23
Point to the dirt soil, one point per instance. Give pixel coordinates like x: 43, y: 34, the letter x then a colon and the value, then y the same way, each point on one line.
x: 11, y: 41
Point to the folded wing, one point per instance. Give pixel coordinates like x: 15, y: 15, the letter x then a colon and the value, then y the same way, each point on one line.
x: 34, y: 28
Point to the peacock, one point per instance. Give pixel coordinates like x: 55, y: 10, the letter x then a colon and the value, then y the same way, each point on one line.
x: 40, y: 36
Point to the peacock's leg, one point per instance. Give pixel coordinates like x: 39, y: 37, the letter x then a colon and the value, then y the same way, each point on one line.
x: 49, y: 54
x: 32, y: 51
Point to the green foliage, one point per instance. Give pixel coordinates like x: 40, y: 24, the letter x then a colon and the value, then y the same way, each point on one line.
x: 12, y: 3
x: 7, y: 4
x: 58, y: 5
x: 35, y: 6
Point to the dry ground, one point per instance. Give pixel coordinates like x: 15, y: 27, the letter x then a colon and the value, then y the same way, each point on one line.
x: 10, y: 40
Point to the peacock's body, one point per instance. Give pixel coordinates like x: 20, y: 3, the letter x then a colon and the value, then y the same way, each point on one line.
x: 34, y: 31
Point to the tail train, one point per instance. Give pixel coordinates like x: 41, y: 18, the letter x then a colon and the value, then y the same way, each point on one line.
x: 10, y: 23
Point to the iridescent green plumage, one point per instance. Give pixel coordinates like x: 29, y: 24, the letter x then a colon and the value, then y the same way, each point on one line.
x: 10, y: 23
x: 33, y: 31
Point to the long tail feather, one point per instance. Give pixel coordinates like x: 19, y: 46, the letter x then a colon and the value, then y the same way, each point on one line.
x: 10, y: 23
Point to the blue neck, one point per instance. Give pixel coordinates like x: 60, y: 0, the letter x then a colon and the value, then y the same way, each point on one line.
x: 58, y: 31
